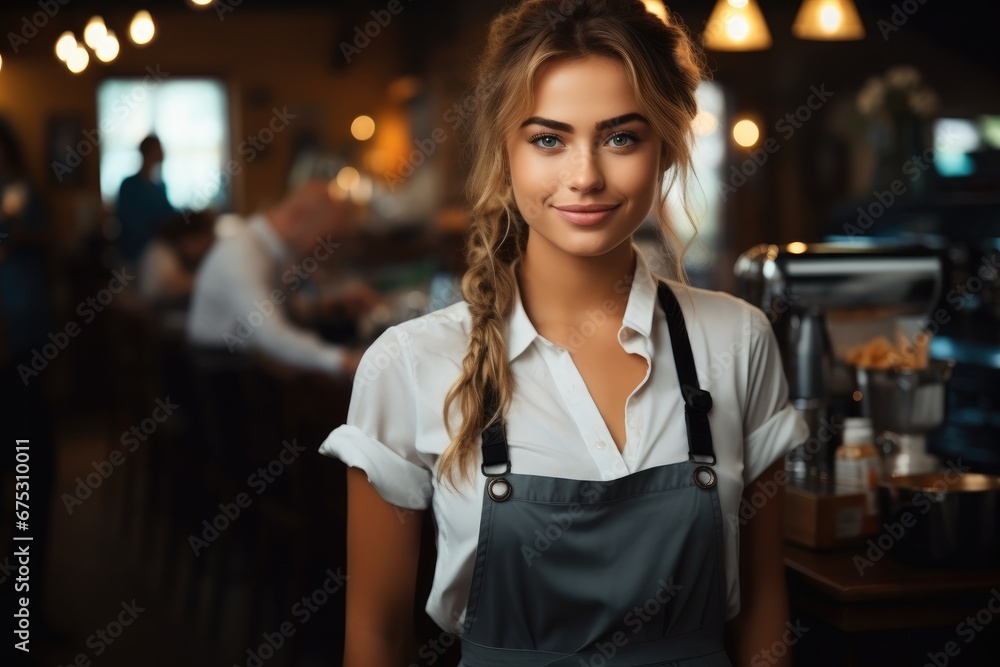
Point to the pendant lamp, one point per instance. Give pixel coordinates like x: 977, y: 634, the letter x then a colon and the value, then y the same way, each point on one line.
x: 737, y: 25
x: 828, y: 20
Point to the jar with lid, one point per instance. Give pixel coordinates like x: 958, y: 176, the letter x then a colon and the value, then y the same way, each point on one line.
x: 857, y: 465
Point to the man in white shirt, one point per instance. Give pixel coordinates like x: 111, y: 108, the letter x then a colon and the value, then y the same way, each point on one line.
x: 243, y: 285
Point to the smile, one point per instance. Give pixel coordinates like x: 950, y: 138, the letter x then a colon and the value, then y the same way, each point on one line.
x: 586, y: 214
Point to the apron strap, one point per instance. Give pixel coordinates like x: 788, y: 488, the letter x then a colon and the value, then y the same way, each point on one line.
x: 697, y: 401
x: 494, y: 438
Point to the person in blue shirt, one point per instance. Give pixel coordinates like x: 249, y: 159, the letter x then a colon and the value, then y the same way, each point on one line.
x: 142, y: 202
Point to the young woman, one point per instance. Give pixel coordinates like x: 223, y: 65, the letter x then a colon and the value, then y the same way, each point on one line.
x: 582, y: 429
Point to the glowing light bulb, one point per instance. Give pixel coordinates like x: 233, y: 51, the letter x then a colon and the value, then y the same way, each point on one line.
x: 65, y: 45
x: 142, y: 28
x: 347, y: 177
x: 363, y: 128
x: 108, y: 49
x: 737, y: 28
x: 746, y: 133
x: 78, y: 60
x: 95, y: 32
x: 830, y: 18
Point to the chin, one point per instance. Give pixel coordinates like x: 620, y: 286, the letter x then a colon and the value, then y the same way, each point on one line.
x: 585, y: 242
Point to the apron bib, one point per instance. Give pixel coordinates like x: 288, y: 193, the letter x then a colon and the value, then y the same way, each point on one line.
x: 620, y: 573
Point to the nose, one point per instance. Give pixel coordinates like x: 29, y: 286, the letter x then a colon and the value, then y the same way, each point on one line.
x: 584, y: 172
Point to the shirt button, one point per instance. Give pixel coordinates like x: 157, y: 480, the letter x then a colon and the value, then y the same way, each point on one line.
x: 601, y: 444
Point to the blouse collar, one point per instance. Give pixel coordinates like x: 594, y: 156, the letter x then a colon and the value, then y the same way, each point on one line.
x: 638, y: 311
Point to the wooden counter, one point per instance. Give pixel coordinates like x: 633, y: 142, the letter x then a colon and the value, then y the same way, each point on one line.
x: 890, y: 612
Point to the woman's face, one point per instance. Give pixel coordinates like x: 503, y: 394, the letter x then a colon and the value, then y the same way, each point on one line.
x: 584, y: 163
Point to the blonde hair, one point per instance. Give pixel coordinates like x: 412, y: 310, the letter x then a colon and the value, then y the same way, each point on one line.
x: 665, y: 68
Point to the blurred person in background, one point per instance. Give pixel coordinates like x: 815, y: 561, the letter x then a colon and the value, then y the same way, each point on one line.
x: 143, y: 206
x: 168, y: 265
x: 243, y: 288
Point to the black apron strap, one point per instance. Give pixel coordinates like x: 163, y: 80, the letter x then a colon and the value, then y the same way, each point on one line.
x: 494, y: 439
x: 697, y: 401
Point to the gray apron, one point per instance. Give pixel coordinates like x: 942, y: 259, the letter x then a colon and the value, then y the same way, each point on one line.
x: 620, y: 573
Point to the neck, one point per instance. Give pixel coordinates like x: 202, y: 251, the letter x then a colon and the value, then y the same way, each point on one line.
x: 559, y: 289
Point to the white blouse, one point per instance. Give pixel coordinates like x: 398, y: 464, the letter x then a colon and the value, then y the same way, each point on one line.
x: 395, y: 430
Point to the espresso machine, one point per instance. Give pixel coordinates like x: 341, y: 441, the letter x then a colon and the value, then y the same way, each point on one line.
x: 823, y: 298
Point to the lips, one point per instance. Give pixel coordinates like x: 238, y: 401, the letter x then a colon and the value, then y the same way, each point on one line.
x: 585, y: 214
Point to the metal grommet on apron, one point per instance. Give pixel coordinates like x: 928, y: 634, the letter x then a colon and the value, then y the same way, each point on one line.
x: 560, y: 574
x: 499, y: 489
x: 495, y: 453
x: 704, y: 477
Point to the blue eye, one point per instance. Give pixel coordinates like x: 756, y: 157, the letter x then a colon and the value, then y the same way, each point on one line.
x: 545, y: 140
x: 623, y: 139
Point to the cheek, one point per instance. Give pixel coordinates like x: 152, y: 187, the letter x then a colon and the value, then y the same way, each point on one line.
x: 639, y: 181
x: 533, y: 178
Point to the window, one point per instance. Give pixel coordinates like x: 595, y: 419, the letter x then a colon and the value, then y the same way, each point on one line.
x: 190, y: 117
x: 705, y: 195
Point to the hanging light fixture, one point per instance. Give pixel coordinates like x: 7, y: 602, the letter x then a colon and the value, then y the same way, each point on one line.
x: 828, y: 20
x: 142, y: 28
x: 737, y: 25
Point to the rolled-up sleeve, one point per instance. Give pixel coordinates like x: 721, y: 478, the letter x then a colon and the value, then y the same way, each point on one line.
x: 771, y: 425
x: 379, y: 435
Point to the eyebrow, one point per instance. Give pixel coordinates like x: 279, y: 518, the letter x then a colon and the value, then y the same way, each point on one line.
x: 602, y: 125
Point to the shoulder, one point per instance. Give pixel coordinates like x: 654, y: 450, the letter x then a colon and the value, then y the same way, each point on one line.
x: 441, y: 333
x: 714, y: 310
x: 129, y: 183
x: 422, y: 350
